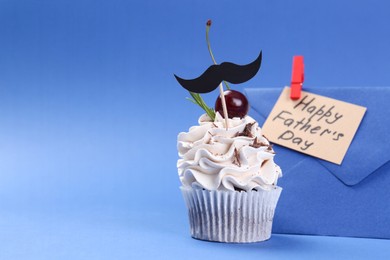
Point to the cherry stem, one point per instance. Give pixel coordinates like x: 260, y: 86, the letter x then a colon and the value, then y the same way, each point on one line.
x: 225, y: 113
x: 208, y: 25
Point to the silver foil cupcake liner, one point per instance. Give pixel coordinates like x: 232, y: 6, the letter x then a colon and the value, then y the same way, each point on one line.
x: 231, y: 216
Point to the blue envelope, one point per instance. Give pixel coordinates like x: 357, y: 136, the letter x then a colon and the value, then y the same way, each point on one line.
x: 322, y: 198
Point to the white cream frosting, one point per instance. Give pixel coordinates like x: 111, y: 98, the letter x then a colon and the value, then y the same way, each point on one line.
x: 239, y: 158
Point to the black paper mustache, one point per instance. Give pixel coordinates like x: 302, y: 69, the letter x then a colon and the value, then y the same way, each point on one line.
x: 215, y: 74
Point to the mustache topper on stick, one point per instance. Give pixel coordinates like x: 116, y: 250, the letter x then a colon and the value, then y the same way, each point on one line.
x: 215, y: 74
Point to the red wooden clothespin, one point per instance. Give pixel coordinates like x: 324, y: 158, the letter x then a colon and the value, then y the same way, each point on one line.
x: 297, y: 77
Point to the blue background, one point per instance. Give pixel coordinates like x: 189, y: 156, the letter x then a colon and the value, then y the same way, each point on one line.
x: 90, y: 112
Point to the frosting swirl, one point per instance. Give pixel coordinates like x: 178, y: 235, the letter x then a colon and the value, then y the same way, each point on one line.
x: 239, y: 158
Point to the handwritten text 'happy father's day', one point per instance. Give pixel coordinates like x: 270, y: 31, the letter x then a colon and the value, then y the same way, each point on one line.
x: 315, y: 125
x: 315, y: 113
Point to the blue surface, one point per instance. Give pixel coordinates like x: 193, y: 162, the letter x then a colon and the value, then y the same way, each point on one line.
x: 122, y: 234
x: 90, y: 111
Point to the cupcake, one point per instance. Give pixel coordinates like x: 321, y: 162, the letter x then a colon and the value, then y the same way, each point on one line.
x: 229, y: 180
x: 226, y: 166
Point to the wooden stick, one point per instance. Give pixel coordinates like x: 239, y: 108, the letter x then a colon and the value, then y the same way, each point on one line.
x: 225, y: 113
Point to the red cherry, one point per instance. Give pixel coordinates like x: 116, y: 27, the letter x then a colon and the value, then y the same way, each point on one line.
x: 236, y: 103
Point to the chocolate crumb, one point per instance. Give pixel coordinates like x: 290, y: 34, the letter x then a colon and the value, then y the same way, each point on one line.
x: 257, y: 144
x: 247, y: 130
x: 239, y: 189
x: 210, y: 133
x: 264, y: 162
x: 236, y: 158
